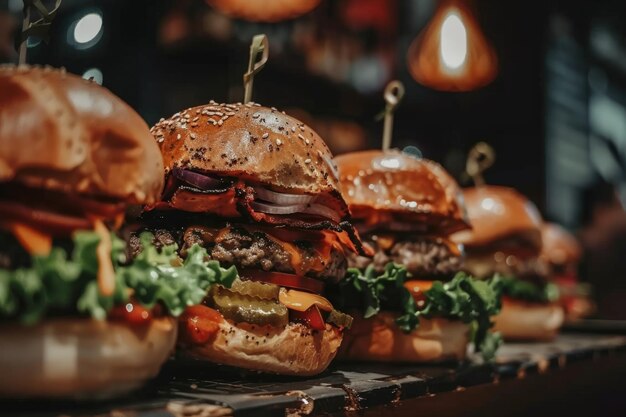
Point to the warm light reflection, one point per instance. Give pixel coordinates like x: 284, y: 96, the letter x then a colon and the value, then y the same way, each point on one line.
x: 452, y: 53
x: 453, y: 41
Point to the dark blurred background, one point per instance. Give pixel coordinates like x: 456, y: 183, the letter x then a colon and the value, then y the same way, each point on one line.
x: 555, y: 113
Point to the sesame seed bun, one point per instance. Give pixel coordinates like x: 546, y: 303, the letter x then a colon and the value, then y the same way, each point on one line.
x: 250, y: 142
x: 403, y: 188
x: 61, y: 132
x: 499, y: 213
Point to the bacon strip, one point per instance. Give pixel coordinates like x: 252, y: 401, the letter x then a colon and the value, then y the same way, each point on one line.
x: 236, y: 200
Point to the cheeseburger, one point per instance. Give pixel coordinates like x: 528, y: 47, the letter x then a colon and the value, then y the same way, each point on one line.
x: 79, y: 318
x: 561, y: 252
x: 414, y: 304
x: 258, y: 190
x: 506, y: 240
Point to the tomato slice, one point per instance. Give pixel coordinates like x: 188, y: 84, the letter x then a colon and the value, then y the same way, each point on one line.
x: 199, y: 324
x: 284, y: 280
x: 131, y: 313
x: 311, y: 317
x: 417, y: 289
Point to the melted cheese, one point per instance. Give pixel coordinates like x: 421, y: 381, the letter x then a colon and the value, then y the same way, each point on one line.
x: 33, y: 240
x: 294, y: 254
x: 106, y: 272
x: 302, y: 301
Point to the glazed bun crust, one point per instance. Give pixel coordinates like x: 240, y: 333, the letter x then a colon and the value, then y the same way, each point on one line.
x: 522, y: 321
x: 249, y: 142
x: 380, y: 339
x: 498, y: 213
x: 64, y: 133
x: 560, y: 247
x: 82, y: 358
x: 407, y: 188
x: 294, y: 350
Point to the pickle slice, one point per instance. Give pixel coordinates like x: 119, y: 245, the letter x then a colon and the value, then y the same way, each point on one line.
x: 249, y: 309
x: 339, y: 319
x: 256, y: 289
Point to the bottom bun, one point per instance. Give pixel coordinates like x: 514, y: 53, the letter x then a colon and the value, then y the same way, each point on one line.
x: 519, y: 320
x: 380, y: 339
x: 293, y: 350
x: 82, y: 358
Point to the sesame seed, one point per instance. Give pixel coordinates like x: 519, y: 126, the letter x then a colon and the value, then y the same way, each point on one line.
x: 306, y: 141
x: 293, y: 129
x: 161, y: 119
x: 300, y: 136
x: 265, y: 135
x: 195, y: 119
x: 279, y: 142
x: 307, y: 161
x: 220, y: 122
x: 178, y: 136
x: 192, y: 135
x: 255, y: 115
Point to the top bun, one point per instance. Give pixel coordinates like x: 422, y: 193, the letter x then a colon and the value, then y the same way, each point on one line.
x: 402, y: 187
x: 249, y: 142
x: 499, y: 213
x: 560, y: 247
x: 68, y: 134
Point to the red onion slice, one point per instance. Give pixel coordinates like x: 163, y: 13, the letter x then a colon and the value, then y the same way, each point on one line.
x: 196, y: 179
x: 323, y: 211
x: 282, y: 198
x: 315, y: 209
x: 275, y: 209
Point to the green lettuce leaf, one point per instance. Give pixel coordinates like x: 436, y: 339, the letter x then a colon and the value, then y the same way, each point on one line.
x: 463, y: 298
x: 523, y: 290
x: 58, y: 284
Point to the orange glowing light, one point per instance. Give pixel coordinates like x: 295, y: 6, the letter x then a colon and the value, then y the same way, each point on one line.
x: 451, y: 53
x: 264, y: 10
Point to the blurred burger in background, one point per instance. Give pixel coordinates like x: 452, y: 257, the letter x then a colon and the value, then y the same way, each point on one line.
x: 506, y: 240
x: 78, y: 317
x: 562, y: 253
x: 258, y: 190
x: 410, y: 301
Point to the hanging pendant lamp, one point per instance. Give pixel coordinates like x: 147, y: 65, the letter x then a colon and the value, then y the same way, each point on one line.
x: 452, y: 53
x: 264, y: 10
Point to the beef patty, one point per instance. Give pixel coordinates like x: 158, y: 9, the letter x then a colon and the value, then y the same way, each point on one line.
x: 251, y: 250
x: 422, y: 257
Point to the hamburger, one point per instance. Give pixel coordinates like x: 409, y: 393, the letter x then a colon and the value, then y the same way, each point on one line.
x: 506, y: 240
x: 78, y: 317
x: 258, y: 190
x: 411, y: 303
x: 562, y: 253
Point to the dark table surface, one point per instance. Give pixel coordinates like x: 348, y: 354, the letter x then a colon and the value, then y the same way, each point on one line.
x: 544, y: 376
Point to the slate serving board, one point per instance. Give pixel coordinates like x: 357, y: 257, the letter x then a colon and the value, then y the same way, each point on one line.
x: 189, y: 389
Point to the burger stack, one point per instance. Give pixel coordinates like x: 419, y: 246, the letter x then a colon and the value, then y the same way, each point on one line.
x: 248, y: 250
x: 79, y: 316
